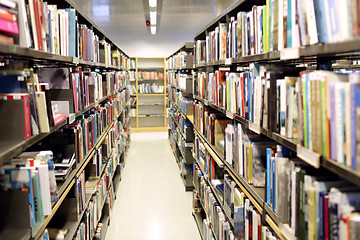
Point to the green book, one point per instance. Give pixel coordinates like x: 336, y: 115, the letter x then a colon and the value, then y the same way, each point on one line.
x: 264, y: 29
x: 301, y: 205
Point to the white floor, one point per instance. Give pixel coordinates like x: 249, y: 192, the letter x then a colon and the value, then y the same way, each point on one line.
x: 151, y: 203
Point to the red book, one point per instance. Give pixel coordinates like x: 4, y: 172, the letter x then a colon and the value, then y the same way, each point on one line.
x: 26, y: 100
x: 8, y: 26
x: 38, y: 24
x: 59, y: 117
x: 326, y: 218
x: 42, y: 23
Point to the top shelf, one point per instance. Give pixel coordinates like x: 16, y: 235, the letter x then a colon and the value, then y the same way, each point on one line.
x: 35, y: 55
x: 350, y: 48
x: 244, y: 4
x: 187, y: 47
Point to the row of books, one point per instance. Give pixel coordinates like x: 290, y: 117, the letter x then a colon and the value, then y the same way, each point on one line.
x: 307, y: 105
x: 45, y: 27
x: 182, y: 101
x: 132, y: 75
x: 46, y: 98
x: 177, y: 61
x: 247, y: 219
x: 32, y: 172
x: 150, y: 75
x: 211, y: 124
x: 150, y: 88
x: 178, y: 79
x: 264, y: 163
x: 316, y: 206
x: 277, y: 25
x: 56, y: 155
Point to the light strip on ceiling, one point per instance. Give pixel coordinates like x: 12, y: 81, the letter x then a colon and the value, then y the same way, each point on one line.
x: 153, y: 18
x: 152, y: 3
x: 153, y: 30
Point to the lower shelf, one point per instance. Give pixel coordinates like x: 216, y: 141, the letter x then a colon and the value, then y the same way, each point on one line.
x: 198, y: 219
x: 149, y: 129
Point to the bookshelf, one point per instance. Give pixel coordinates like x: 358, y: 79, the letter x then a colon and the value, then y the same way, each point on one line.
x: 255, y: 63
x: 150, y: 108
x: 181, y: 135
x: 95, y: 119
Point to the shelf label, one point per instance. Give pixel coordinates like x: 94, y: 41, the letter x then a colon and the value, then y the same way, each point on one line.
x: 76, y: 60
x: 71, y: 118
x: 228, y: 61
x: 230, y: 114
x: 290, y: 53
x: 254, y: 127
x: 206, y: 102
x: 308, y: 156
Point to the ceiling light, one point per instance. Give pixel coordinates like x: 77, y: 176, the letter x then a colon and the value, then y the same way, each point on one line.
x: 153, y: 30
x: 152, y: 3
x: 153, y: 18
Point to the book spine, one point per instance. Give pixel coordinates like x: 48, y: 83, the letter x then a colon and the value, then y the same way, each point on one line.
x: 9, y: 26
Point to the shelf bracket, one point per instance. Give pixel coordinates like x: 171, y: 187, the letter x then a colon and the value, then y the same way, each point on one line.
x: 263, y: 214
x: 324, y: 63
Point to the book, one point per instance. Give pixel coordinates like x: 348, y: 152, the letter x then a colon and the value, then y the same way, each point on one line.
x: 25, y: 99
x: 13, y: 179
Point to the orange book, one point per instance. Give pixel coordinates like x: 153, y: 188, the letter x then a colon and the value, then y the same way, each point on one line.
x: 4, y: 14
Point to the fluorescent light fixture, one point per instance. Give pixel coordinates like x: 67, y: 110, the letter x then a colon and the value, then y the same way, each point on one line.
x: 152, y: 3
x: 153, y: 30
x: 153, y: 18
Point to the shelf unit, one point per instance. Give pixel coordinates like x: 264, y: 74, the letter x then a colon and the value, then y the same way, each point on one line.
x: 149, y: 104
x: 15, y: 222
x: 330, y: 56
x: 181, y: 135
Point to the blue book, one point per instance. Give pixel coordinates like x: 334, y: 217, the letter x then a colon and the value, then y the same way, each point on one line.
x: 72, y: 31
x: 343, y: 159
x: 321, y: 215
x: 320, y: 21
x: 19, y: 179
x: 273, y: 182
x: 357, y: 106
x: 13, y: 82
x: 288, y: 24
x: 268, y: 176
x: 239, y: 222
x: 334, y: 20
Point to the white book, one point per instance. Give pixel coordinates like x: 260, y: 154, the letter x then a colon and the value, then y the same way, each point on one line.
x: 311, y: 22
x: 282, y: 107
x: 281, y: 26
x: 294, y: 27
x: 8, y: 3
x: 343, y: 9
x: 44, y: 187
x: 348, y: 129
x: 33, y: 24
x: 240, y: 136
x: 339, y: 121
x: 255, y: 224
x: 247, y: 207
x: 40, y: 100
x: 24, y: 27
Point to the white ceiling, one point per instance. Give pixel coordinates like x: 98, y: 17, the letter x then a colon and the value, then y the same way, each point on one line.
x: 124, y: 23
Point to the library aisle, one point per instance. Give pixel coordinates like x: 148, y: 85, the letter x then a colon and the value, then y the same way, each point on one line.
x: 151, y: 202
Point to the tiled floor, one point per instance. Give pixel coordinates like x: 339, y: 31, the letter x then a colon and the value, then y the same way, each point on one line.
x: 151, y: 202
